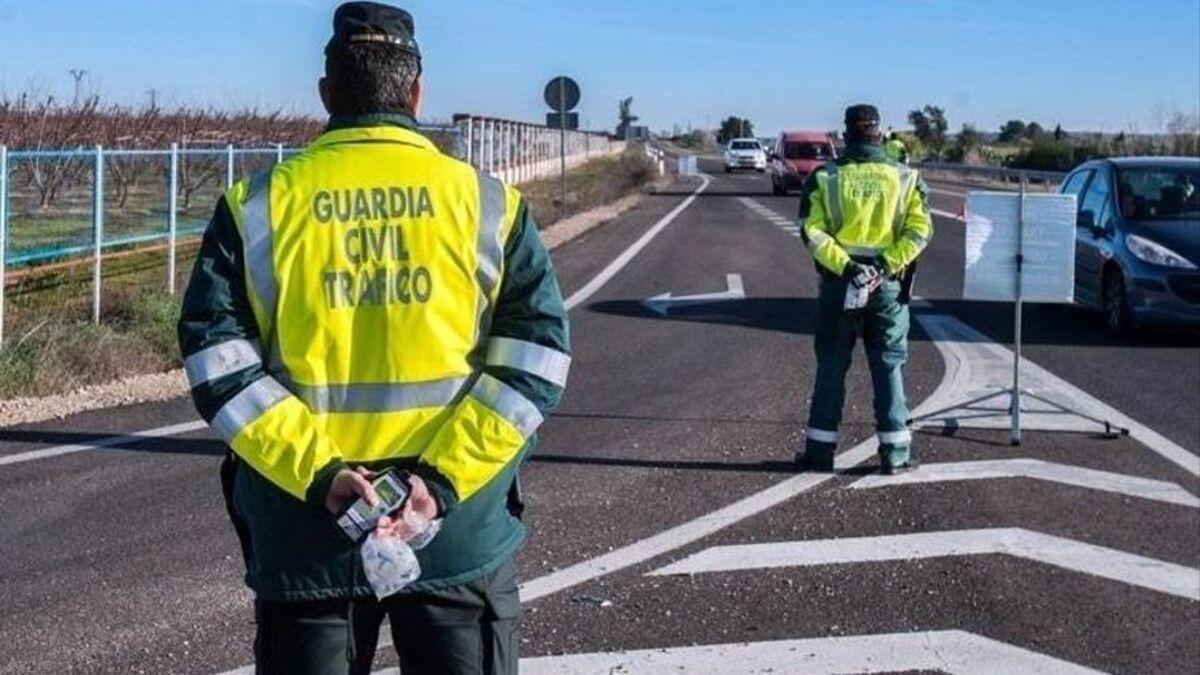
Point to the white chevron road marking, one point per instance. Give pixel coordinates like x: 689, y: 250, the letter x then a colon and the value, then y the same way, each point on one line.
x: 977, y: 366
x: 1068, y: 554
x: 1131, y: 486
x: 953, y: 652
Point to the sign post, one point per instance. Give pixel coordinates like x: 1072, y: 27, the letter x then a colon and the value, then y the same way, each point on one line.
x: 562, y: 95
x: 1019, y: 247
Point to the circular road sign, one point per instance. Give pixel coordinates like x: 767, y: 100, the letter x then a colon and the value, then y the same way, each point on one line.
x: 562, y: 93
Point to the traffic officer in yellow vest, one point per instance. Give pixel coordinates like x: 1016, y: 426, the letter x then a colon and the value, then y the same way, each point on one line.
x: 865, y: 219
x: 894, y: 148
x: 370, y: 304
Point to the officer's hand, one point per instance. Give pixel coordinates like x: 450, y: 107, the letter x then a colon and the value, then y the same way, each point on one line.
x: 861, y: 275
x: 349, y: 485
x: 418, y: 511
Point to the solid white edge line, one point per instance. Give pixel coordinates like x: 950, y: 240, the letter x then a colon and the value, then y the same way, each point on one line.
x: 578, y: 297
x: 597, y: 282
x: 103, y: 442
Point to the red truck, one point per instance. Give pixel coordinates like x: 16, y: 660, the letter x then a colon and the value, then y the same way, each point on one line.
x: 795, y: 155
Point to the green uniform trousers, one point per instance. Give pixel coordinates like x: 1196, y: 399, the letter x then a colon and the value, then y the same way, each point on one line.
x: 883, y: 324
x: 470, y: 629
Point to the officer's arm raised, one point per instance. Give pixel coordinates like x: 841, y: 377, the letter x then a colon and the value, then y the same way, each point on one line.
x: 522, y: 378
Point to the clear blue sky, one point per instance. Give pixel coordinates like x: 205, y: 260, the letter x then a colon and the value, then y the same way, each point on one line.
x: 1087, y: 64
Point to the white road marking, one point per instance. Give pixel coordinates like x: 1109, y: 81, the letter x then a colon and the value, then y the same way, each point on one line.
x: 976, y: 366
x: 947, y: 214
x: 661, y: 304
x: 1131, y: 486
x: 104, y: 442
x: 1068, y: 554
x: 693, y: 530
x: 619, y: 263
x: 952, y: 652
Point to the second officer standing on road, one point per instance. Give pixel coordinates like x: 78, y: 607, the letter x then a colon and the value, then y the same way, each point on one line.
x: 863, y: 217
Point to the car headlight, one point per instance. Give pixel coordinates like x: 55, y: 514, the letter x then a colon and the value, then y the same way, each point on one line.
x: 1156, y: 254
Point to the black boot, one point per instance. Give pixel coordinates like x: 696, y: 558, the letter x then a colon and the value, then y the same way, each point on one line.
x: 816, y: 460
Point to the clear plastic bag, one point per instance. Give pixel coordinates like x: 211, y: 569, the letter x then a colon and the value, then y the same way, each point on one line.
x: 389, y: 564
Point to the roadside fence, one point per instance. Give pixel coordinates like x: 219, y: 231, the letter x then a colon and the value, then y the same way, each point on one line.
x: 72, y: 219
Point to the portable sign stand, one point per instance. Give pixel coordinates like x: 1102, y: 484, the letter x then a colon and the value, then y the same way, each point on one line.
x: 1015, y: 392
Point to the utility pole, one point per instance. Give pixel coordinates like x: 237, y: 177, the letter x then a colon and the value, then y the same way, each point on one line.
x: 78, y: 74
x: 153, y: 93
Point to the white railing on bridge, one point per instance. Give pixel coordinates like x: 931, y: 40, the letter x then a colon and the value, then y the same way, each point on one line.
x: 517, y: 152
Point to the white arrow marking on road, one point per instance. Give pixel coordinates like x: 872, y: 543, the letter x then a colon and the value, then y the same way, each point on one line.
x: 661, y: 304
x: 1078, y: 476
x: 1068, y: 554
x: 953, y: 652
x: 976, y: 366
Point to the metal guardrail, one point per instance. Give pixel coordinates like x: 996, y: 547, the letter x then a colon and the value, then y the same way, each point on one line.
x: 997, y: 173
x: 511, y: 150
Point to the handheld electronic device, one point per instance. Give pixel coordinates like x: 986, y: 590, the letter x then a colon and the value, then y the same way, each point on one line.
x: 359, y: 518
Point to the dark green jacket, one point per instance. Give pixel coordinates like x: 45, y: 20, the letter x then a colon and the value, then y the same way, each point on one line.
x: 292, y: 548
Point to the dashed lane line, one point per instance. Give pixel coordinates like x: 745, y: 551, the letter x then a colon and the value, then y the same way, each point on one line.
x: 952, y: 652
x: 1063, y: 474
x: 1069, y: 554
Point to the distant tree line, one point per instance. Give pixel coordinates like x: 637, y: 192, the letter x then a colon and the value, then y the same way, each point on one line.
x: 1028, y: 145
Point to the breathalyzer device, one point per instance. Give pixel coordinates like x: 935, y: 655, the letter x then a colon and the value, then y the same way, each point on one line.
x: 360, y: 518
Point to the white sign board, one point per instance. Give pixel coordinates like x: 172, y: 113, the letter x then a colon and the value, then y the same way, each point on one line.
x: 687, y: 166
x: 1049, y: 247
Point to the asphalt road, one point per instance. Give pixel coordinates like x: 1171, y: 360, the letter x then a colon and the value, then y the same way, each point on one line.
x: 121, y: 560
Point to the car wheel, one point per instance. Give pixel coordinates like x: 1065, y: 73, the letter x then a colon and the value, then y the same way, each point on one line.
x: 728, y: 170
x: 1117, y: 318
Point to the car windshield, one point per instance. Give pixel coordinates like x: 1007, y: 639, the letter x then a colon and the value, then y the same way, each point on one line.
x: 1159, y: 193
x: 746, y: 145
x: 806, y: 151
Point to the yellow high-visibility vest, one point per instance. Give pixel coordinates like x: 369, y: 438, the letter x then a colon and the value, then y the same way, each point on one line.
x: 373, y: 263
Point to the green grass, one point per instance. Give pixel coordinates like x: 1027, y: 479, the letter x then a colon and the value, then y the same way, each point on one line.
x: 53, y: 356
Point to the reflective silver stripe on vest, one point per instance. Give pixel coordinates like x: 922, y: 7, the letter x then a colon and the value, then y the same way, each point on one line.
x: 833, y: 200
x: 490, y: 251
x: 864, y: 251
x: 248, y: 405
x: 902, y: 437
x: 219, y: 360
x: 816, y: 239
x: 381, y: 398
x: 821, y: 435
x: 256, y: 229
x: 508, y: 403
x: 549, y: 364
x: 906, y: 185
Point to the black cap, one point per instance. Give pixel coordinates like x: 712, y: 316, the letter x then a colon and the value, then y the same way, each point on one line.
x: 359, y: 22
x: 862, y: 115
